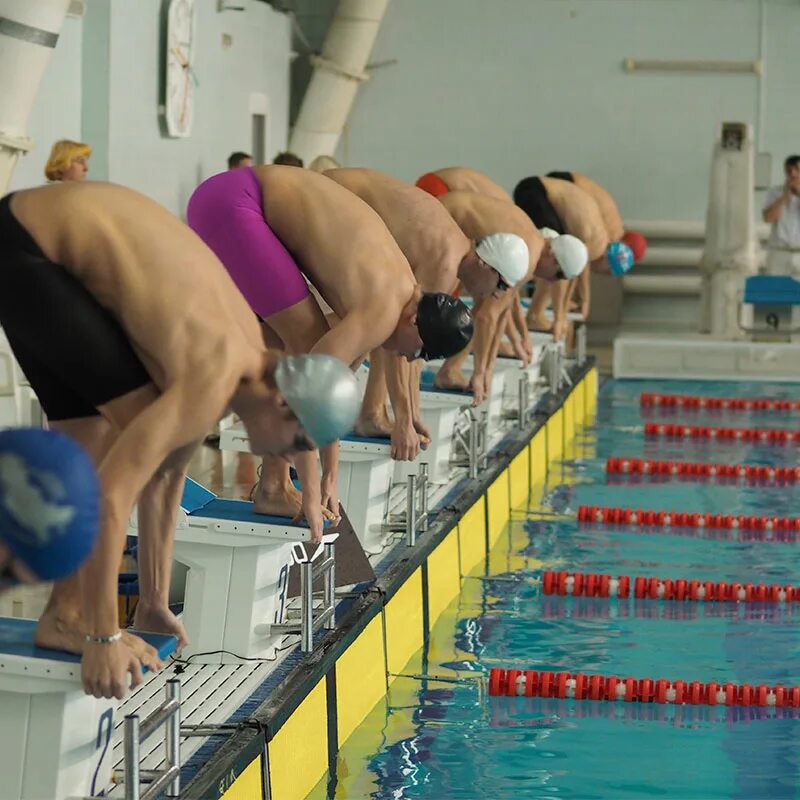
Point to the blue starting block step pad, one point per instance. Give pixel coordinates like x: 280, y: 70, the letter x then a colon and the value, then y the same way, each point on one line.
x: 772, y: 290
x: 19, y: 655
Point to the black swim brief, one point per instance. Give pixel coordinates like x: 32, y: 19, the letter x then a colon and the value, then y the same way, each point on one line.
x: 72, y: 350
x: 562, y: 176
x: 531, y: 196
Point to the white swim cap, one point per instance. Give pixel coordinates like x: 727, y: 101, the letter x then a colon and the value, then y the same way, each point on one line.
x: 507, y: 253
x: 571, y: 254
x: 549, y: 233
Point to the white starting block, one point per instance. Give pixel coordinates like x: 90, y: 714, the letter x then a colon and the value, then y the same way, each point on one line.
x: 238, y: 574
x: 772, y: 302
x: 55, y: 741
x: 18, y: 403
x: 433, y: 397
x: 365, y: 486
x: 366, y: 476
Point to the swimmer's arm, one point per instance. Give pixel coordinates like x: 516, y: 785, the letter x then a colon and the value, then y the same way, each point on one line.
x: 774, y: 211
x: 487, y: 316
x: 356, y: 334
x: 308, y: 473
x: 405, y: 442
x: 500, y: 328
x: 518, y: 317
x: 585, y: 288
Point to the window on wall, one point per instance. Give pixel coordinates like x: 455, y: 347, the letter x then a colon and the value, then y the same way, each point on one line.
x: 259, y: 135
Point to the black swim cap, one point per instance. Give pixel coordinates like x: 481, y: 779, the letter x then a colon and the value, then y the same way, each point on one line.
x: 445, y: 325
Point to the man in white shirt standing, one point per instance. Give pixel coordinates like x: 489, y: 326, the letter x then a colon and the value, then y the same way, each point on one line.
x: 782, y: 211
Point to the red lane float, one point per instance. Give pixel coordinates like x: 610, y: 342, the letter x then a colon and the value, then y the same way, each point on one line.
x: 582, y: 584
x: 761, y: 435
x: 578, y: 686
x: 605, y: 515
x: 690, y: 469
x: 687, y: 401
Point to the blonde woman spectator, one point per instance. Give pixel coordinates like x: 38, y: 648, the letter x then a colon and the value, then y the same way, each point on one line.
x: 69, y: 161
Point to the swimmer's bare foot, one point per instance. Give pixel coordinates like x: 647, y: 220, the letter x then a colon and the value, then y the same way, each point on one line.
x: 506, y: 349
x: 451, y: 379
x: 278, y: 501
x: 375, y: 426
x: 151, y: 618
x: 537, y: 322
x: 60, y: 632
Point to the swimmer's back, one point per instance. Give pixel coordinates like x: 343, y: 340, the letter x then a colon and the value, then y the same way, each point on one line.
x: 169, y: 291
x: 479, y: 215
x: 605, y: 202
x: 580, y: 214
x: 342, y: 245
x: 430, y: 239
x: 470, y: 180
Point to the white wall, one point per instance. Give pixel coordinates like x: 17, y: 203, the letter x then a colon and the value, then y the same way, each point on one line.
x: 521, y: 87
x: 258, y: 61
x: 103, y: 87
x: 57, y: 111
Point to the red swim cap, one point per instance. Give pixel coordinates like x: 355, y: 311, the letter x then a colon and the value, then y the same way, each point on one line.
x: 637, y: 243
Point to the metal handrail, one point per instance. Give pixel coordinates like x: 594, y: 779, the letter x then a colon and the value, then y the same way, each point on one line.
x: 168, y: 715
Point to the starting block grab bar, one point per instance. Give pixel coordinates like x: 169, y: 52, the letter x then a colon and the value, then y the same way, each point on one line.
x: 168, y: 780
x: 415, y: 519
x: 473, y: 442
x: 321, y: 564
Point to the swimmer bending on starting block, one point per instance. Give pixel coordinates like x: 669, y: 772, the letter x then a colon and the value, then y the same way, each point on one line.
x: 275, y: 228
x: 562, y: 207
x: 440, y: 256
x: 477, y: 215
x: 136, y: 342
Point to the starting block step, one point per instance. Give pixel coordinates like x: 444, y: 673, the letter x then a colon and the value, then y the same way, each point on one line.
x: 55, y: 741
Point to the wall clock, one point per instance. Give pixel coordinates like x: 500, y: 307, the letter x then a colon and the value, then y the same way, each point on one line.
x: 180, y: 80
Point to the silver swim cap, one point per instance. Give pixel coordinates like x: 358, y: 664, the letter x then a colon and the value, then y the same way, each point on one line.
x: 322, y: 392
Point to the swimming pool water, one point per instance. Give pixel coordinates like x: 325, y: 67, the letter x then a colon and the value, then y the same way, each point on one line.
x: 449, y: 741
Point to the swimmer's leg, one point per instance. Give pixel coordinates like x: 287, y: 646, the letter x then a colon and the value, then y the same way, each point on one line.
x: 451, y: 374
x: 374, y: 418
x: 157, y: 513
x: 298, y: 328
x: 536, y: 319
x: 60, y: 626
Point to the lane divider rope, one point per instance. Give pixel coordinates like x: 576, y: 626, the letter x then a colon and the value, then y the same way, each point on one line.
x: 634, y: 516
x: 589, y: 584
x: 690, y: 469
x: 695, y: 402
x: 763, y: 435
x: 530, y: 683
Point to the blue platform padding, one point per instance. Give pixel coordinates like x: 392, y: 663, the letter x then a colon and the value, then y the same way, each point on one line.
x: 241, y: 511
x: 772, y: 290
x: 426, y: 384
x: 16, y: 639
x: 195, y: 496
x: 354, y: 437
